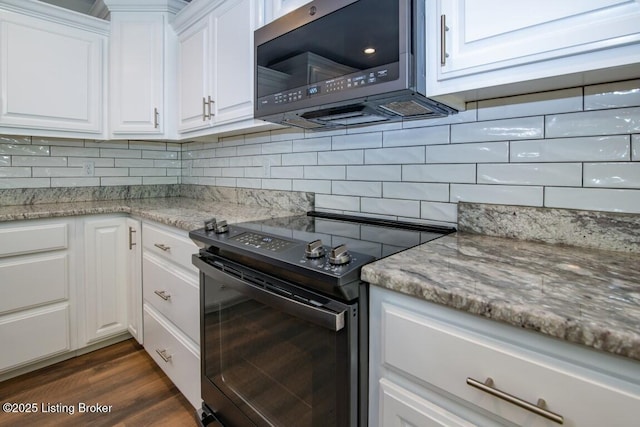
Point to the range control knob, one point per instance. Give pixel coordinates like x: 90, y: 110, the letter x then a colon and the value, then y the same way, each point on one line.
x: 339, y: 255
x: 210, y: 225
x: 314, y: 249
x: 221, y: 227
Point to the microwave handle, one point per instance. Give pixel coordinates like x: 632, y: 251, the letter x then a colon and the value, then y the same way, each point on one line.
x: 316, y: 315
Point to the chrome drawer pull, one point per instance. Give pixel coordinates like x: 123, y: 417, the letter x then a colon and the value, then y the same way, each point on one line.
x: 163, y: 294
x: 539, y: 408
x: 161, y: 246
x: 163, y: 354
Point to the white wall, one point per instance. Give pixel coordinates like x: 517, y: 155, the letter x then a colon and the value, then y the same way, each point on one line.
x: 573, y: 148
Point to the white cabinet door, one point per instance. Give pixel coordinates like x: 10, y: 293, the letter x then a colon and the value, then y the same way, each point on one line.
x: 137, y: 74
x: 51, y: 76
x: 233, y: 69
x: 492, y: 42
x: 194, y: 76
x: 134, y: 279
x: 215, y: 66
x: 105, y: 279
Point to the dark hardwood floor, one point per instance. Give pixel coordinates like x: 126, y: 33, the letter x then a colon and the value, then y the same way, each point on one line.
x: 121, y: 376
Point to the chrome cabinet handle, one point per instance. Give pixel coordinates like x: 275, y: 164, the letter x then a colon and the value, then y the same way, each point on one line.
x: 163, y: 294
x: 131, y: 243
x: 443, y: 40
x: 156, y: 118
x: 206, y: 108
x: 539, y: 408
x: 210, y: 103
x: 163, y: 354
x: 161, y: 246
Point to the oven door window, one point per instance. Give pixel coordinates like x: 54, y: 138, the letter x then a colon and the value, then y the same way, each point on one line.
x: 278, y: 369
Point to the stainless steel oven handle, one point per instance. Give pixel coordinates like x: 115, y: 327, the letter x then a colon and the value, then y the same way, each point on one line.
x: 317, y: 315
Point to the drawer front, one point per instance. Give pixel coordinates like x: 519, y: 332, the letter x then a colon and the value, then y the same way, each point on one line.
x: 169, y: 245
x: 34, y: 335
x: 33, y: 280
x: 400, y: 407
x: 33, y: 238
x: 173, y: 294
x: 446, y: 357
x: 178, y: 358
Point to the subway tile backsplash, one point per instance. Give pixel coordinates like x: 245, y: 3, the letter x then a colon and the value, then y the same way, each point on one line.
x: 576, y: 148
x: 36, y: 162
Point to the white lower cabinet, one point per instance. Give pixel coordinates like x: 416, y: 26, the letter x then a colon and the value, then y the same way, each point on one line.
x: 36, y: 285
x: 134, y: 280
x: 430, y: 365
x: 67, y: 286
x: 105, y: 268
x: 402, y: 408
x: 33, y: 335
x: 172, y: 306
x: 178, y: 356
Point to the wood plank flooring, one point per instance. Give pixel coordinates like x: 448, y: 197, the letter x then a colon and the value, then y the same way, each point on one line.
x: 122, y: 376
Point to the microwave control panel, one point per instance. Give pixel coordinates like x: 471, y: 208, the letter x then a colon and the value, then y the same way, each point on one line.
x: 344, y: 83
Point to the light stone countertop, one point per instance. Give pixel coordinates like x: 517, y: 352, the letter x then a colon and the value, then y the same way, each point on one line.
x: 582, y: 295
x: 184, y: 213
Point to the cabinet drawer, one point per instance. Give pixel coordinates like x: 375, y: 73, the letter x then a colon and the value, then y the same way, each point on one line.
x: 400, y: 407
x: 169, y: 245
x: 173, y: 294
x: 33, y: 335
x: 33, y: 280
x: 445, y: 357
x: 33, y: 238
x: 177, y: 357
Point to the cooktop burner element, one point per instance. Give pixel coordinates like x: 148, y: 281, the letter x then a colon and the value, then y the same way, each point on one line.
x: 319, y: 250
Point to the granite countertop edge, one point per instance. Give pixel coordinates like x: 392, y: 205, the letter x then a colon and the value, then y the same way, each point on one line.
x: 492, y: 300
x: 180, y: 212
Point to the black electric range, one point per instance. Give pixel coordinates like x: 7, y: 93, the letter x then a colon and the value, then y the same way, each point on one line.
x: 322, y: 251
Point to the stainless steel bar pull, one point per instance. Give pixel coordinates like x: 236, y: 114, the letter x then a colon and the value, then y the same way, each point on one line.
x: 163, y: 354
x: 131, y: 243
x: 443, y: 40
x: 539, y: 408
x: 163, y: 294
x: 156, y: 118
x: 210, y: 103
x: 161, y: 246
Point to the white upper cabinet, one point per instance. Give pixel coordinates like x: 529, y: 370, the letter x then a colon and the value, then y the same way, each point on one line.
x: 137, y: 74
x: 215, y: 64
x: 52, y: 70
x: 233, y: 64
x: 142, y: 64
x: 485, y: 43
x: 194, y: 72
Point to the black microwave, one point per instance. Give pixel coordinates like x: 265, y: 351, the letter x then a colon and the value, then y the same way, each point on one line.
x: 335, y: 63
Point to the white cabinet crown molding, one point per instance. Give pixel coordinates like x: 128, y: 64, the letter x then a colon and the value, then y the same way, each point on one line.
x: 171, y: 6
x: 57, y: 15
x: 196, y: 10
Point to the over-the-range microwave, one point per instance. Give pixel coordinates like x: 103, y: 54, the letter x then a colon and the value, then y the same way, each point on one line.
x: 337, y: 63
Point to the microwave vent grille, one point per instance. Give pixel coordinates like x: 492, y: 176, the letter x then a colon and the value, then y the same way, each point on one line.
x: 407, y: 108
x: 301, y: 123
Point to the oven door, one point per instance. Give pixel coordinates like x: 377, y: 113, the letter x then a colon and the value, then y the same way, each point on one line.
x: 274, y: 354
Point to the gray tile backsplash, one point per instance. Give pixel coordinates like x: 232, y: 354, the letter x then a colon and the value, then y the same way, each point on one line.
x: 576, y: 148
